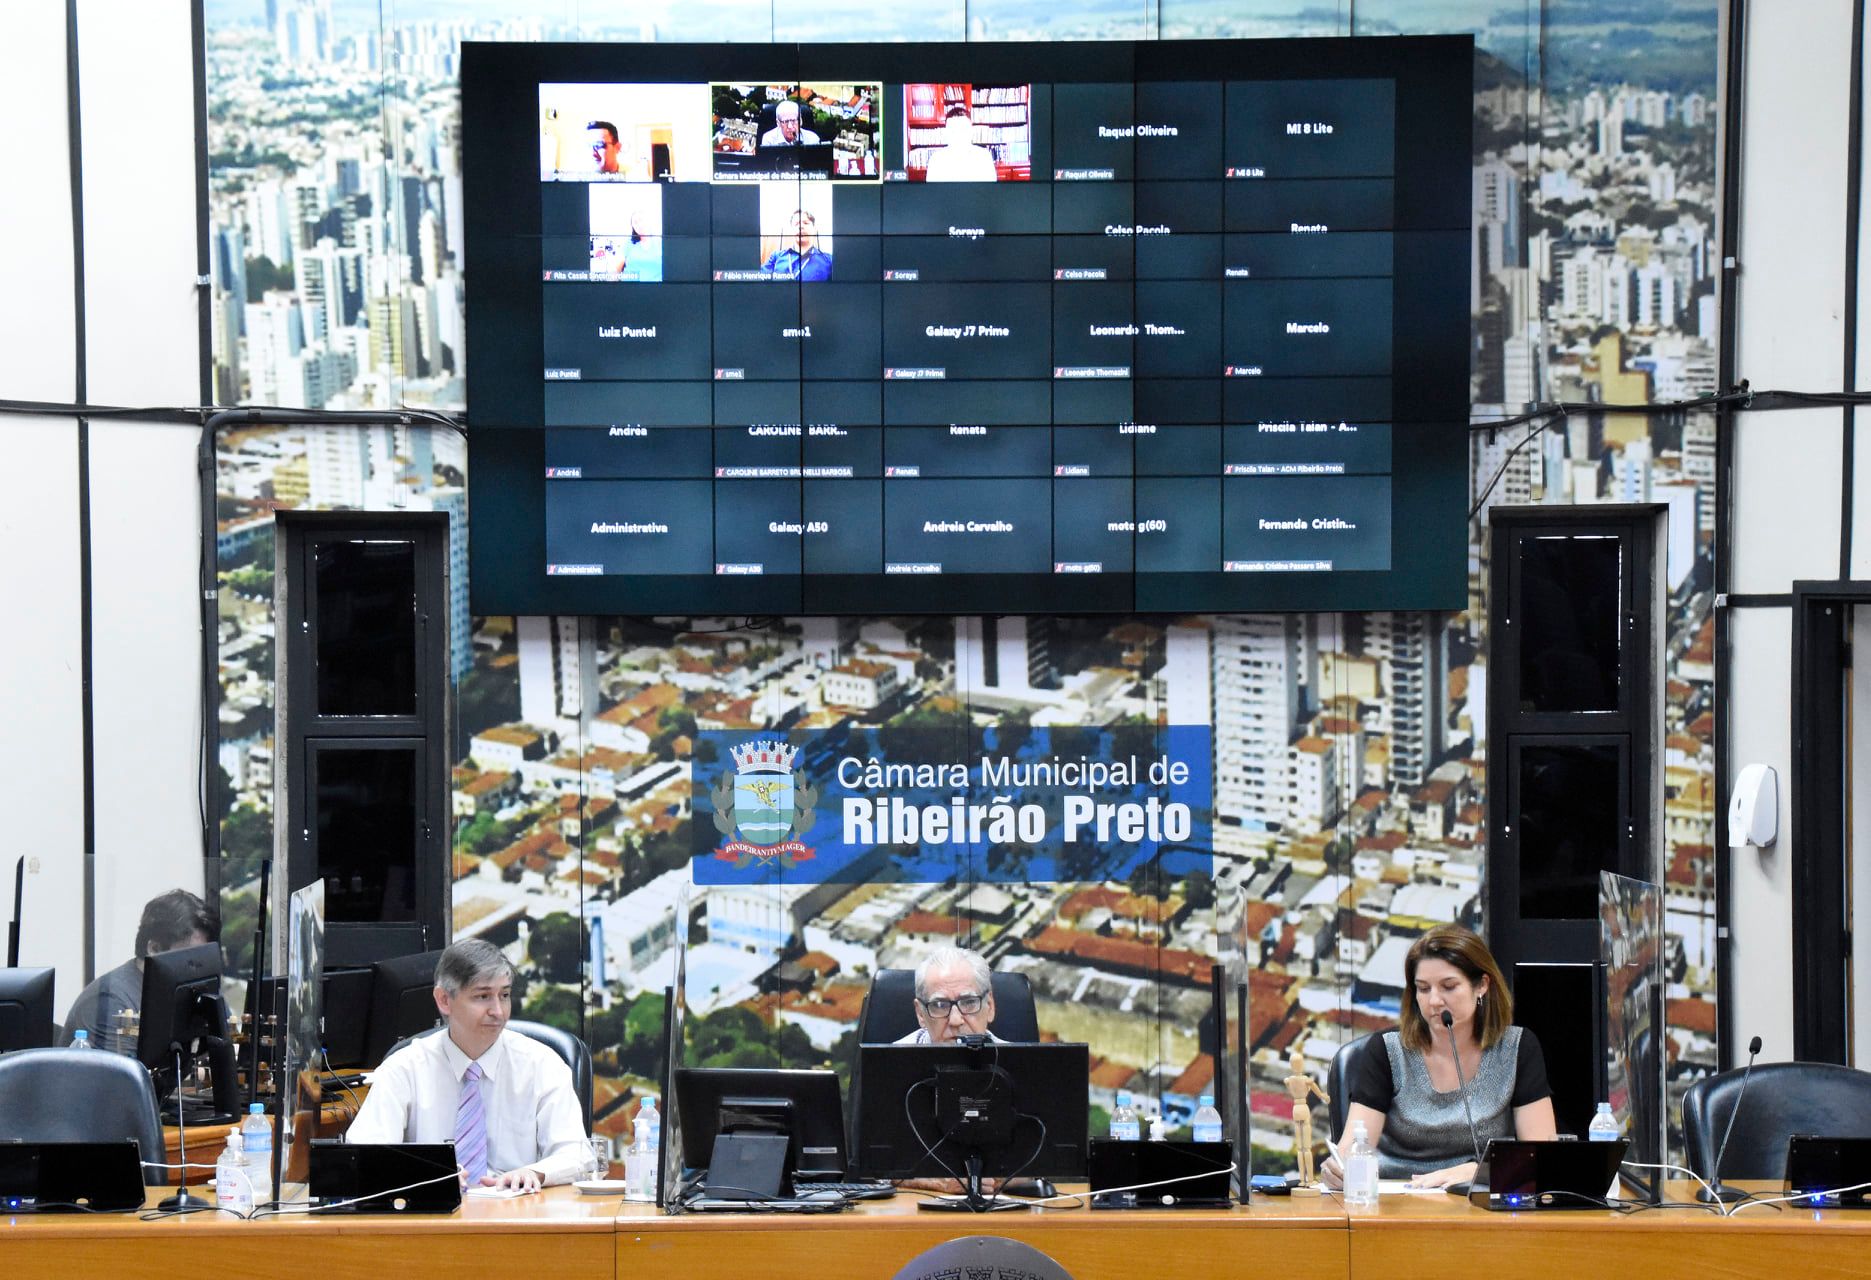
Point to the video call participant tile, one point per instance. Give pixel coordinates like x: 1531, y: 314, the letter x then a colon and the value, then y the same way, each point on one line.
x: 1093, y: 133
x: 1339, y: 523
x: 631, y: 526
x: 844, y: 529
x: 1092, y: 525
x: 628, y: 451
x: 609, y: 332
x: 1178, y: 525
x: 969, y: 526
x: 968, y: 331
x: 1179, y: 129
x: 758, y: 330
x: 1308, y: 446
x: 965, y: 449
x: 1312, y: 128
x: 663, y: 404
x: 1319, y: 204
x: 1306, y: 327
x: 758, y: 525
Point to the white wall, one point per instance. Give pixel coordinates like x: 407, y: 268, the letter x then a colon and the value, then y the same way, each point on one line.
x: 141, y: 331
x: 40, y: 753
x: 1787, y: 483
x: 136, y: 102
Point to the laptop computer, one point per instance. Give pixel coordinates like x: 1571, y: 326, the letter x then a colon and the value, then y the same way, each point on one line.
x: 390, y: 1177
x: 1819, y: 1167
x: 70, y: 1177
x: 1522, y: 1175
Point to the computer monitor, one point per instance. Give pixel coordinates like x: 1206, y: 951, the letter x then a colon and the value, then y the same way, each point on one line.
x: 182, y: 1019
x: 958, y: 1111
x: 803, y: 1105
x: 25, y: 1009
x: 402, y: 1002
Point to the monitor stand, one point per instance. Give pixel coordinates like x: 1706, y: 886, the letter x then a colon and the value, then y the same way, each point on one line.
x: 973, y: 1199
x: 224, y: 1106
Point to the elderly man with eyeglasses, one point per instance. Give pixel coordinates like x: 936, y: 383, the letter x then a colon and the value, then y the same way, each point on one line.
x: 954, y: 997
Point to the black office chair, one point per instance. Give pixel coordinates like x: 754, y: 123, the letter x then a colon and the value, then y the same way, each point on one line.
x: 1784, y: 1098
x: 1338, y: 1083
x: 67, y: 1095
x: 889, y: 1011
x: 563, y: 1043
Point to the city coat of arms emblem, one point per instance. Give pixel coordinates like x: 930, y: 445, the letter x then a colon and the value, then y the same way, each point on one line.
x: 761, y: 807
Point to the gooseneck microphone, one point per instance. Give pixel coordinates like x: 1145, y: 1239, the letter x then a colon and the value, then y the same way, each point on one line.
x: 1715, y: 1190
x: 1448, y: 1025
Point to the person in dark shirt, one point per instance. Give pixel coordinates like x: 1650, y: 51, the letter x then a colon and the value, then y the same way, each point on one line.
x: 800, y: 258
x: 1404, y: 1084
x: 170, y: 921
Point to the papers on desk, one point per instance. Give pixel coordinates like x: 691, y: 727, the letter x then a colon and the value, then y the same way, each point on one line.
x: 1404, y: 1187
x: 493, y: 1193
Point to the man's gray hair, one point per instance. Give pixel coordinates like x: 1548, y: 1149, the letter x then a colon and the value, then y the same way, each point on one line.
x: 943, y: 959
x: 466, y: 963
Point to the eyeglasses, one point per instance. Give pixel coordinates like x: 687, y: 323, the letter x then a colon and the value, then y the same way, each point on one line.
x: 939, y: 1007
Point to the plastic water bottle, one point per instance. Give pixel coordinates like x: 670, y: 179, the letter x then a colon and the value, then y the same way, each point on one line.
x: 81, y: 1039
x: 1360, y: 1168
x: 233, y: 1188
x: 655, y: 1144
x: 1125, y: 1127
x: 1206, y: 1127
x: 1604, y: 1126
x: 639, y: 1162
x: 256, y: 1140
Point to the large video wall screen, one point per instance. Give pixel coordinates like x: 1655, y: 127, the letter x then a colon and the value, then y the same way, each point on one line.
x: 974, y: 328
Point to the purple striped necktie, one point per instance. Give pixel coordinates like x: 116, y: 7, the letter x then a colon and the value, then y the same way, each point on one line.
x: 471, y: 1126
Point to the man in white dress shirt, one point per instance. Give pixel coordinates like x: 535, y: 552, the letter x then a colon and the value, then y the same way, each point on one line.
x: 954, y: 997
x: 506, y: 1101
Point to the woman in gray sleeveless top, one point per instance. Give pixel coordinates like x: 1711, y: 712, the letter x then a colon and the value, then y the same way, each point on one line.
x: 1405, y: 1086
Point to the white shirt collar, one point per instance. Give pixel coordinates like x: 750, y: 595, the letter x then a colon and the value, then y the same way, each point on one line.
x: 491, y: 1062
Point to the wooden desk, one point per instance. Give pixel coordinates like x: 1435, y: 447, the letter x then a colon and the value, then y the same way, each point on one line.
x: 1303, y: 1236
x: 1431, y: 1236
x: 561, y: 1233
x: 558, y: 1233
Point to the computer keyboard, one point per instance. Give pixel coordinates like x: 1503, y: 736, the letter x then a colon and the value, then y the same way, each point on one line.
x: 849, y: 1190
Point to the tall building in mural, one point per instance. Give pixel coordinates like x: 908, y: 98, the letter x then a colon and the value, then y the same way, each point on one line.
x: 1349, y: 750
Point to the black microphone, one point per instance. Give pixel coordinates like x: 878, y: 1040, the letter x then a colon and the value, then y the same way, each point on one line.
x: 1715, y: 1190
x: 1481, y: 1176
